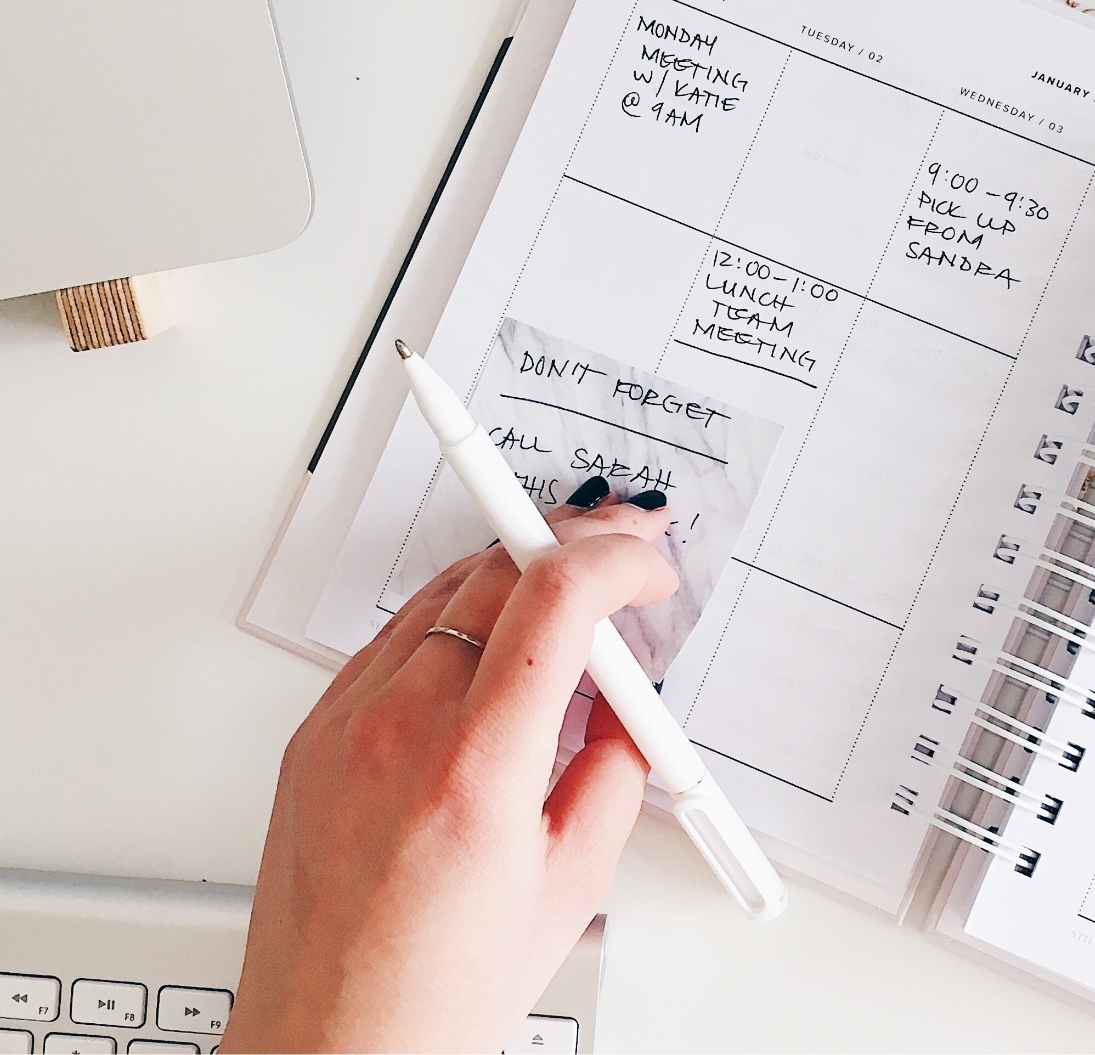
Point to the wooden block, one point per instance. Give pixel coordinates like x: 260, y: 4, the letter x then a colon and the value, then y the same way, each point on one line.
x: 119, y: 311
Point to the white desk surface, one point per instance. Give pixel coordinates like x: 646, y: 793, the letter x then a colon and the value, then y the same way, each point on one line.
x: 141, y: 731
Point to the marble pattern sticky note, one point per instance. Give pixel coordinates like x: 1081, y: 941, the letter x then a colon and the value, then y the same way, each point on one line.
x: 561, y: 414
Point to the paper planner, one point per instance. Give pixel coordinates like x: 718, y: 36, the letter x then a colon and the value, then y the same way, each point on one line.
x: 561, y: 414
x: 840, y: 218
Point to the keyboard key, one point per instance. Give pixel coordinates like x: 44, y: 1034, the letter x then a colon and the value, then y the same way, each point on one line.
x: 16, y: 1042
x: 30, y: 996
x: 96, y: 1003
x: 545, y: 1035
x: 151, y: 1047
x: 182, y: 1010
x: 78, y: 1044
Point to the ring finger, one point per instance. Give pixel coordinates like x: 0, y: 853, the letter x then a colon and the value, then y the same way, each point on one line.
x: 447, y: 662
x: 405, y: 633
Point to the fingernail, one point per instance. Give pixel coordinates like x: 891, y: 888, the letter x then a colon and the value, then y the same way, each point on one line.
x: 648, y: 500
x: 594, y: 490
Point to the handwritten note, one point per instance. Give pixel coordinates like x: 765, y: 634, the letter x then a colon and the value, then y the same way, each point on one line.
x: 561, y: 414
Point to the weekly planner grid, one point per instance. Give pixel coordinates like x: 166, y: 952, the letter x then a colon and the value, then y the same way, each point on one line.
x: 825, y: 216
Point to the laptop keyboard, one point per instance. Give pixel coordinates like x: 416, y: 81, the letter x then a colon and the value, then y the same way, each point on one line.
x: 40, y: 999
x: 99, y: 965
x: 64, y: 1012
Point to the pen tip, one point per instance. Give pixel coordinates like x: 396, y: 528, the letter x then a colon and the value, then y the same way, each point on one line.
x: 404, y: 351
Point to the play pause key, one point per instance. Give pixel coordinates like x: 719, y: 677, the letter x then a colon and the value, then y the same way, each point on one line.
x: 184, y: 1010
x: 97, y: 1003
x: 33, y: 997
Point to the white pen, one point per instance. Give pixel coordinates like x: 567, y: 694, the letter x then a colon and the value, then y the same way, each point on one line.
x: 698, y: 802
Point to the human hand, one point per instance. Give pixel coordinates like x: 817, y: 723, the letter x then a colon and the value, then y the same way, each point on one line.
x: 417, y: 892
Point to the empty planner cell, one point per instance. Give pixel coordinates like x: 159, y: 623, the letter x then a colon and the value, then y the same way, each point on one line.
x: 881, y: 467
x: 750, y: 706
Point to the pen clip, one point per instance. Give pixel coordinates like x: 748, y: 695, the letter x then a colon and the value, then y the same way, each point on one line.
x: 730, y: 849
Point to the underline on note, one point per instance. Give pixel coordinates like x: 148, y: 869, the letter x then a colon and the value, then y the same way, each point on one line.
x: 817, y: 593
x: 615, y: 425
x: 745, y: 362
x: 797, y: 271
x: 885, y: 84
x: 764, y: 772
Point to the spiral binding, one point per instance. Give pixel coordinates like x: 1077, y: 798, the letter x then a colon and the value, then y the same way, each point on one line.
x: 1039, y: 627
x: 1065, y: 753
x: 1023, y: 858
x: 1056, y: 686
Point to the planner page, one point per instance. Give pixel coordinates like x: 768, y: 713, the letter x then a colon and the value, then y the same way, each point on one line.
x: 844, y: 216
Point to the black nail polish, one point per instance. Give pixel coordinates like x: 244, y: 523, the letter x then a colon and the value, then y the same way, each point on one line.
x: 594, y: 490
x: 648, y: 500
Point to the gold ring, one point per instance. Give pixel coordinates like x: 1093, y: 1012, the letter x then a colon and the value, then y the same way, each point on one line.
x: 456, y: 633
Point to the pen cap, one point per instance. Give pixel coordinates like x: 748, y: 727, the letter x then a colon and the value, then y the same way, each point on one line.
x: 730, y: 849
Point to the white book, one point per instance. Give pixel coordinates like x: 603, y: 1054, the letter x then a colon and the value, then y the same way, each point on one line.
x: 872, y: 225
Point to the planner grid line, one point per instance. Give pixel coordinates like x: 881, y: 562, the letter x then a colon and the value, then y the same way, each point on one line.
x: 790, y: 267
x: 613, y: 424
x: 791, y: 473
x: 509, y: 299
x: 725, y: 206
x: 743, y: 362
x: 1087, y: 897
x: 554, y: 194
x: 817, y: 593
x: 763, y: 772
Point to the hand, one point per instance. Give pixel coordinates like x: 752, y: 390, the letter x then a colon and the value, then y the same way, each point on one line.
x: 417, y: 892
